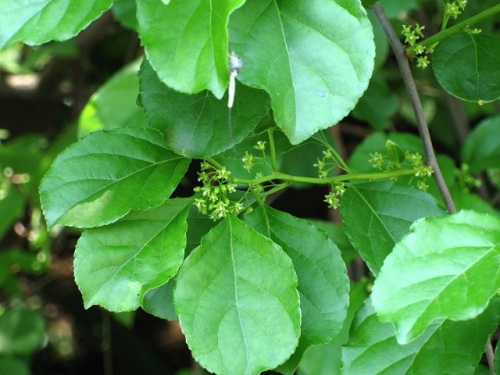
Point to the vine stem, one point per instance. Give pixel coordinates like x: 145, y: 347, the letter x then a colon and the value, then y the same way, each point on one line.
x: 325, y: 181
x: 404, y: 67
x: 455, y: 28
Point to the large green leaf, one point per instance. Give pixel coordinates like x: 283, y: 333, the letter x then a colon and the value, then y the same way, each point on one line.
x: 160, y: 301
x: 114, y: 104
x: 186, y: 42
x: 466, y: 65
x: 326, y: 359
x: 445, y: 348
x: 451, y: 270
x: 38, y: 21
x: 200, y: 125
x: 314, y: 58
x: 323, y: 283
x: 376, y: 215
x: 378, y: 104
x: 107, y: 174
x: 481, y: 149
x: 117, y: 264
x: 22, y: 331
x: 237, y: 301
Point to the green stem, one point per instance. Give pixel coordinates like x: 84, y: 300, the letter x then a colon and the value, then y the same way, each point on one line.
x: 459, y: 26
x: 325, y: 181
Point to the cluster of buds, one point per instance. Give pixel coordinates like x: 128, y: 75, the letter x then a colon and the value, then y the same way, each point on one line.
x: 464, y: 179
x: 326, y: 164
x: 249, y: 159
x: 216, y: 186
x: 412, y: 35
x: 397, y: 160
x: 333, y: 198
x: 455, y: 8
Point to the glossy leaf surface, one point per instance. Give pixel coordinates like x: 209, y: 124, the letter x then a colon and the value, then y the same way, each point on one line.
x: 451, y: 267
x: 199, y: 125
x: 323, y: 283
x: 114, y: 104
x: 237, y: 301
x: 36, y: 22
x: 310, y: 88
x: 186, y: 42
x: 117, y: 264
x: 160, y: 301
x: 376, y: 215
x: 107, y: 174
x: 446, y: 348
x: 466, y: 65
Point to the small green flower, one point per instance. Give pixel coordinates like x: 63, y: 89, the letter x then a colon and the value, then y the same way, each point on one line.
x: 422, y: 62
x: 424, y: 171
x: 248, y: 161
x: 332, y: 200
x: 223, y: 174
x: 339, y: 189
x: 261, y: 146
x: 377, y: 160
x: 201, y: 205
x: 422, y: 185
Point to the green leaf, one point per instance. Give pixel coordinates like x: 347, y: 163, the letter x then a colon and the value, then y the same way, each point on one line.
x: 450, y: 267
x: 125, y: 12
x: 481, y: 149
x: 314, y: 58
x: 114, y: 104
x: 237, y: 301
x: 11, y: 206
x: 337, y: 234
x: 38, y: 21
x: 160, y: 301
x: 107, y: 174
x: 376, y: 215
x: 446, y: 348
x: 377, y: 105
x: 326, y: 359
x: 186, y: 42
x: 199, y: 125
x: 22, y: 331
x: 117, y: 264
x: 323, y: 283
x: 14, y: 366
x: 466, y: 64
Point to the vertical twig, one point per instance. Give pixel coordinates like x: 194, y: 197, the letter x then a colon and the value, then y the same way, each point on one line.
x: 404, y: 67
x: 490, y: 356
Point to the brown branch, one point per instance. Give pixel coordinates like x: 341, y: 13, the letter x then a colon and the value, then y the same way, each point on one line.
x: 404, y: 67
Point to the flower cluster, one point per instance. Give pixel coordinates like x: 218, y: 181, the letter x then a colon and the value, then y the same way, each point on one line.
x: 326, y: 164
x: 464, y: 179
x: 455, y: 8
x: 333, y: 198
x: 412, y: 35
x: 249, y: 160
x: 397, y: 160
x: 216, y: 186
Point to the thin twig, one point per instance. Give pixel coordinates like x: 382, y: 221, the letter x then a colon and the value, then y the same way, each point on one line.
x: 404, y: 67
x: 490, y: 356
